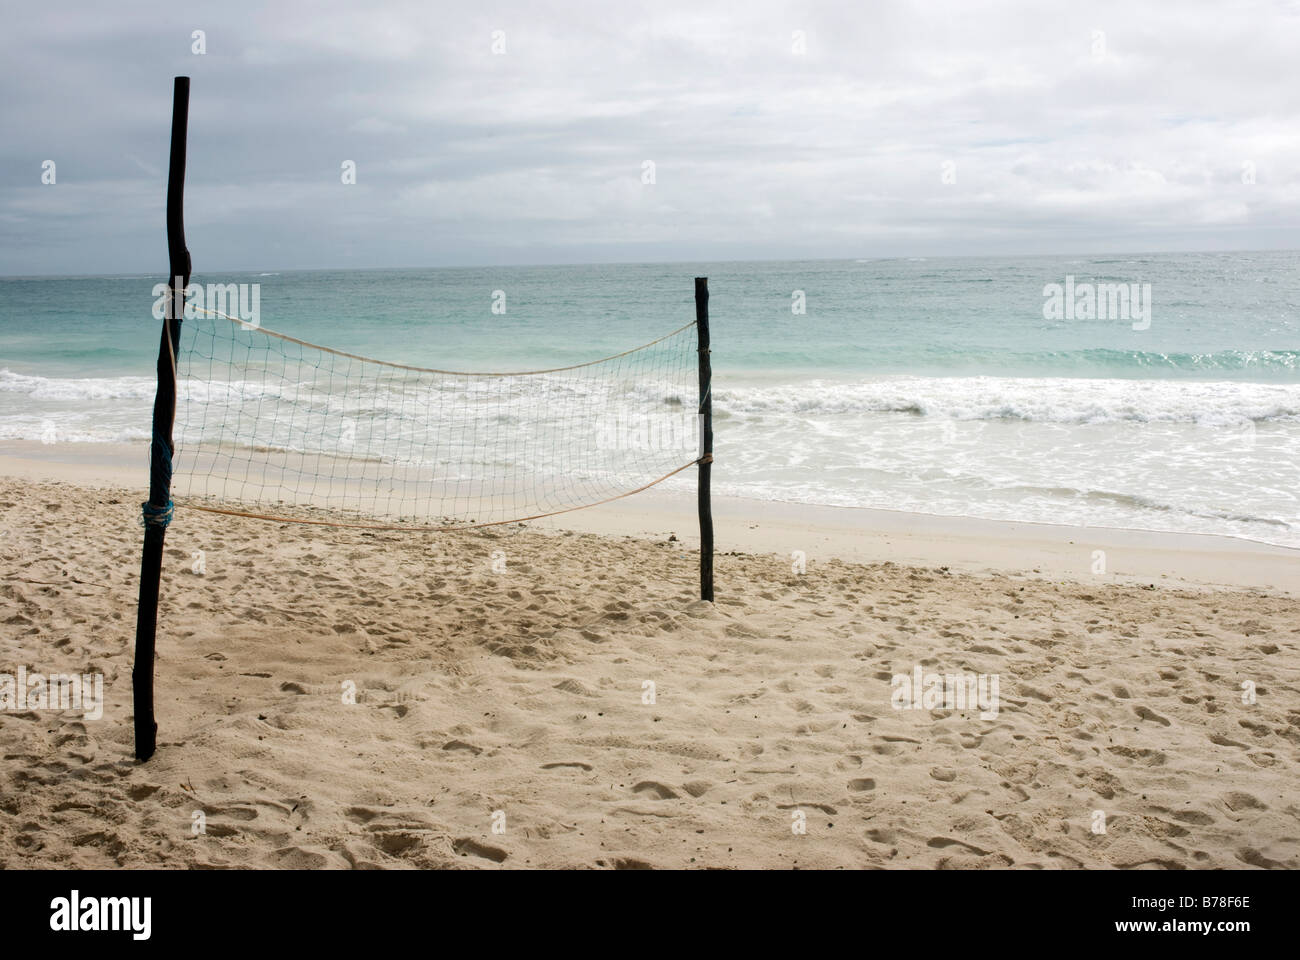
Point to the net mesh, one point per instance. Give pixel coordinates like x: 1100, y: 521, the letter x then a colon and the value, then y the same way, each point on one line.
x: 265, y: 421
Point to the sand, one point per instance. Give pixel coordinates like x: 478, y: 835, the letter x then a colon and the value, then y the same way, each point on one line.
x: 502, y: 715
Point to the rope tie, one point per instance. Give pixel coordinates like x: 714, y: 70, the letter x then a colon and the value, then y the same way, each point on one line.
x: 160, y: 478
x: 155, y: 516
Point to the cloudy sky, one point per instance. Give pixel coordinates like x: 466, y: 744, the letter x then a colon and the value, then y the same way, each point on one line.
x: 873, y: 128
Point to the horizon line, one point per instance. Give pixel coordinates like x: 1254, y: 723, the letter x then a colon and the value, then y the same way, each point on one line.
x: 117, y: 274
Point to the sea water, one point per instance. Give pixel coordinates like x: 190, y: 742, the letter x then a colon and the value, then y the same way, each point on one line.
x: 944, y: 386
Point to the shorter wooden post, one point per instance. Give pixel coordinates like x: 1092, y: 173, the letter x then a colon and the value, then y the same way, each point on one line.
x: 706, y: 428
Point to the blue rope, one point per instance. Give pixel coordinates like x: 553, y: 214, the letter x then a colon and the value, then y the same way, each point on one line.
x: 161, y: 478
x: 158, y: 516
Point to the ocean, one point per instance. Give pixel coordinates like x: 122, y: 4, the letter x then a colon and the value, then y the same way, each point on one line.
x: 942, y: 386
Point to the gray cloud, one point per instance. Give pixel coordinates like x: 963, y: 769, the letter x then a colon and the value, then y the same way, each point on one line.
x: 1060, y: 139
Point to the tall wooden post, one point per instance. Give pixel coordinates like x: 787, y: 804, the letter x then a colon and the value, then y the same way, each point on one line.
x: 158, y: 509
x: 706, y: 429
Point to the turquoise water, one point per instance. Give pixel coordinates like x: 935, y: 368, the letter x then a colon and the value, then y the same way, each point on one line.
x: 1228, y: 316
x: 931, y: 385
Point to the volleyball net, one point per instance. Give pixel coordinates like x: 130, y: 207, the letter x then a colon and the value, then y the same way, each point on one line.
x: 271, y: 426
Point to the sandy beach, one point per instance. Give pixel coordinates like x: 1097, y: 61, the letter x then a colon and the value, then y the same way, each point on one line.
x: 554, y: 695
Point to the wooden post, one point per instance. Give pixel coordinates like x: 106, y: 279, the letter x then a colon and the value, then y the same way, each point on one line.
x: 706, y: 429
x: 158, y: 509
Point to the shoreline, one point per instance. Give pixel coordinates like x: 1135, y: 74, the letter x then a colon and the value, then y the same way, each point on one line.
x: 824, y: 532
x: 965, y: 544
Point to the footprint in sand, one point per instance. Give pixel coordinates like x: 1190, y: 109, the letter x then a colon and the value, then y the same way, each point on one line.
x: 1221, y: 741
x: 941, y: 842
x: 1146, y: 713
x: 469, y: 847
x: 655, y: 790
x: 576, y: 687
x: 397, y: 843
x: 823, y: 807
x: 1152, y: 758
x: 362, y: 814
x: 1257, y: 859
x: 1194, y: 817
x: 1237, y: 800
